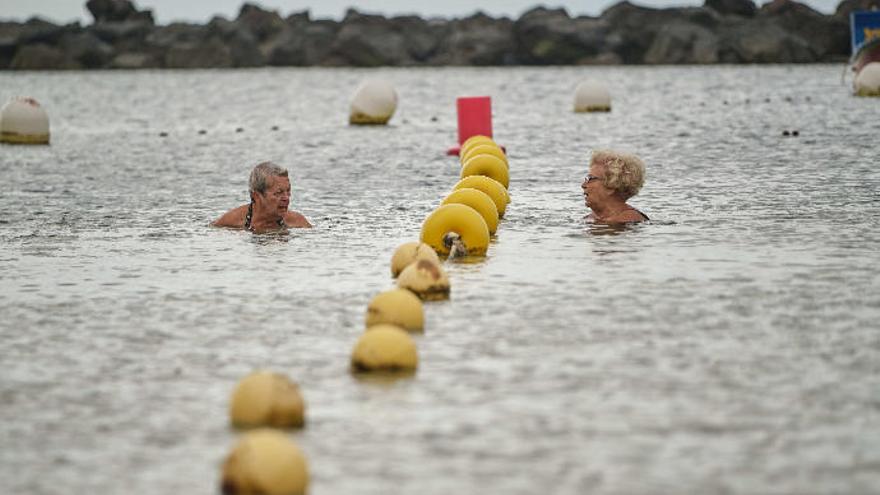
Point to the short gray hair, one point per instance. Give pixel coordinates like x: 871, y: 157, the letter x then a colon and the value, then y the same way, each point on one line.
x: 259, y: 180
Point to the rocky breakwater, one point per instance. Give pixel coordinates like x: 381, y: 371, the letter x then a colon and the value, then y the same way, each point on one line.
x: 721, y: 31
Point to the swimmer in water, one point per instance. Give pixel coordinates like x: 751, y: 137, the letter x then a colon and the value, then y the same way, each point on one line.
x: 267, y: 211
x: 613, y: 178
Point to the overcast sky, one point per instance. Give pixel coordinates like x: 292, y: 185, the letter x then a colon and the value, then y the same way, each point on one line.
x: 166, y: 11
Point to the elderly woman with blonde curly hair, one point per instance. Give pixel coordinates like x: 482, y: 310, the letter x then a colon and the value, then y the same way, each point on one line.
x: 613, y: 179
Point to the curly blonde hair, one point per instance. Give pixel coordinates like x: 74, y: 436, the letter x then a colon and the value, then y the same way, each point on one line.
x: 624, y: 173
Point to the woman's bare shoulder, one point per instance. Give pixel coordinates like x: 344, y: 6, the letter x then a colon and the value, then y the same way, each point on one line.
x: 233, y: 218
x: 296, y: 219
x: 629, y: 216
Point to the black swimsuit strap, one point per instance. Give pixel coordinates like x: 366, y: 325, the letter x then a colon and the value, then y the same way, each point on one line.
x: 247, y: 218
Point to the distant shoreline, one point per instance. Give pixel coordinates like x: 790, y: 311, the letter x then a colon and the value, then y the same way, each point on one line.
x: 721, y: 31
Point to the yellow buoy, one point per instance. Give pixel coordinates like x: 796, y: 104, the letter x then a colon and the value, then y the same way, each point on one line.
x: 473, y: 141
x: 24, y: 121
x: 477, y: 200
x: 385, y: 348
x: 459, y: 219
x: 489, y: 186
x: 409, y: 252
x: 264, y: 398
x: 396, y: 307
x: 488, y: 165
x: 485, y: 149
x: 374, y: 103
x: 591, y: 96
x: 265, y: 461
x: 425, y: 279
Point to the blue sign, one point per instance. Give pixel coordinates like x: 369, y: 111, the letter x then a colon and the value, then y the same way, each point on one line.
x: 865, y: 27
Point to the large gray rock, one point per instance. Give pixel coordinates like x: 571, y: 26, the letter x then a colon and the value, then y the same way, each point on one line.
x: 477, y: 40
x: 164, y: 37
x: 368, y: 41
x: 319, y: 38
x: 224, y: 28
x: 550, y: 36
x: 9, y: 32
x: 633, y: 28
x: 37, y: 30
x: 744, y: 8
x: 359, y: 40
x: 763, y: 42
x: 199, y: 55
x: 126, y: 31
x: 40, y: 57
x: 183, y: 45
x: 87, y: 50
x: 682, y: 42
x: 242, y: 45
x: 828, y: 36
x: 422, y: 38
x: 290, y: 48
x: 299, y: 19
x: 117, y: 11
x: 303, y: 43
x: 262, y: 24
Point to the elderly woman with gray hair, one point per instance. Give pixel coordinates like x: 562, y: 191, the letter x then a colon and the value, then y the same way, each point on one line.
x: 267, y: 211
x: 613, y: 178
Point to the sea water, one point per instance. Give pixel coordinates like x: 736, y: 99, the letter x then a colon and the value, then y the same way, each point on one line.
x: 729, y: 346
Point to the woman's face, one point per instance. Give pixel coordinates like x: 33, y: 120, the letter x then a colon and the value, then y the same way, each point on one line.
x: 277, y: 195
x: 593, y: 185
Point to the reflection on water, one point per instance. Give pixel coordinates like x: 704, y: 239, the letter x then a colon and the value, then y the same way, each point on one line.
x: 606, y: 229
x: 383, y: 380
x: 728, y: 347
x: 267, y: 238
x: 466, y: 260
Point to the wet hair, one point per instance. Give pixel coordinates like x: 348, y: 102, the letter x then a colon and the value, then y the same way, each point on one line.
x: 624, y: 173
x: 259, y: 180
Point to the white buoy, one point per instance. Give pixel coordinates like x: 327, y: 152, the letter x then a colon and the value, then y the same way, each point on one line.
x: 23, y: 121
x: 591, y: 96
x: 374, y: 103
x: 867, y: 81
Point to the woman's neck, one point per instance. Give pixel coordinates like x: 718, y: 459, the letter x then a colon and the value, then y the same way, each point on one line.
x: 262, y: 219
x: 611, y: 208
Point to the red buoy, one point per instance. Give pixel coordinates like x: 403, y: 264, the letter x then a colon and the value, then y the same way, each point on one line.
x: 474, y: 118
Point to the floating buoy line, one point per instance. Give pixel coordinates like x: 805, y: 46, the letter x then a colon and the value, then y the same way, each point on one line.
x: 462, y: 225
